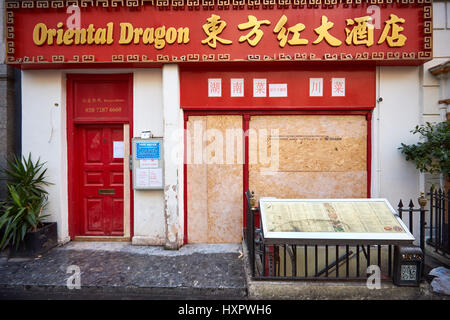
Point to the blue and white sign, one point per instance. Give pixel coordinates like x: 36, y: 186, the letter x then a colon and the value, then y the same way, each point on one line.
x: 148, y: 150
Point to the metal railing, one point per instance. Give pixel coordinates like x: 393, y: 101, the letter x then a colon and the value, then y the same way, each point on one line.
x: 343, y: 261
x: 438, y: 225
x: 314, y: 262
x: 336, y: 261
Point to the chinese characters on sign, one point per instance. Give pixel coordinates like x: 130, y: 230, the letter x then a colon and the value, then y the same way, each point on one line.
x: 237, y: 87
x: 338, y: 87
x: 359, y: 31
x: 315, y: 87
x: 275, y: 89
x: 259, y: 88
x: 214, y: 87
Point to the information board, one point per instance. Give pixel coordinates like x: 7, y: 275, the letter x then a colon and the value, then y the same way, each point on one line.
x: 326, y: 219
x: 148, y: 150
x: 148, y: 164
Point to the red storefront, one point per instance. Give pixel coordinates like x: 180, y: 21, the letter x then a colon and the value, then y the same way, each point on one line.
x: 300, y: 75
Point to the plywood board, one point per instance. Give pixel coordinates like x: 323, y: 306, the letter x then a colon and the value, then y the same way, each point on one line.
x: 308, y: 156
x: 197, y: 190
x: 214, y: 179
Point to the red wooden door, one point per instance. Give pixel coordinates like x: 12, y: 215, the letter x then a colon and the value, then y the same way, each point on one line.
x: 99, y: 209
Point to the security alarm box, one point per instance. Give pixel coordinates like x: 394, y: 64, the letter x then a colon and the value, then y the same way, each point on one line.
x: 408, y: 264
x: 148, y: 164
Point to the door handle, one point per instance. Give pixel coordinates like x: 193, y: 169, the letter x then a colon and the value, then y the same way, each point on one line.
x: 106, y: 191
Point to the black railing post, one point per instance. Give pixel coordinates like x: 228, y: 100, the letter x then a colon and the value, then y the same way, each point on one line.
x: 422, y: 229
x: 411, y: 218
x: 251, y: 236
x: 400, y: 209
x: 431, y: 214
x: 438, y: 219
x: 422, y: 203
x: 447, y: 247
x: 444, y: 213
x: 250, y: 232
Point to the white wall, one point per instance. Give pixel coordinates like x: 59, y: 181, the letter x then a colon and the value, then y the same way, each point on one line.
x: 436, y: 88
x: 149, y: 223
x: 173, y: 158
x: 393, y: 119
x: 44, y: 135
x: 433, y: 89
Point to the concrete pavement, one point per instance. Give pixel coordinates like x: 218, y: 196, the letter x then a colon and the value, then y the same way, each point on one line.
x: 117, y: 270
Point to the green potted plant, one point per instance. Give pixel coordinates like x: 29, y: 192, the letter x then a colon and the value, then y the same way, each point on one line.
x: 21, y: 216
x: 432, y: 153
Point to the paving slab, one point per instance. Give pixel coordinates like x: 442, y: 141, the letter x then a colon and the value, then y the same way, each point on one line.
x: 125, y: 271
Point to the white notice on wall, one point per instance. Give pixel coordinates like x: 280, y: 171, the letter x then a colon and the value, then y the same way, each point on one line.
x: 118, y: 149
x: 338, y: 87
x: 259, y: 87
x: 237, y: 87
x: 215, y: 87
x: 315, y: 87
x: 278, y: 90
x: 155, y: 178
x: 142, y: 178
x: 148, y: 163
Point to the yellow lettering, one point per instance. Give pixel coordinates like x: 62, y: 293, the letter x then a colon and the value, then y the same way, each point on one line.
x: 68, y: 37
x: 395, y: 39
x: 183, y: 35
x: 137, y: 34
x: 40, y: 34
x: 59, y: 34
x: 361, y: 33
x: 160, y: 32
x: 80, y: 36
x: 323, y: 32
x: 90, y: 34
x: 110, y: 39
x: 171, y: 35
x: 212, y: 29
x: 50, y: 34
x: 283, y: 33
x: 148, y: 38
x: 100, y: 36
x: 126, y: 33
x: 256, y: 32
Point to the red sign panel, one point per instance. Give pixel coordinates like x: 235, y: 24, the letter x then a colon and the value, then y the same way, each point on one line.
x: 138, y: 32
x: 101, y: 98
x: 327, y: 87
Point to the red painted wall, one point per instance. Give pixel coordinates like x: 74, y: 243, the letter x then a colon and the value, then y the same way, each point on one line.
x: 360, y: 88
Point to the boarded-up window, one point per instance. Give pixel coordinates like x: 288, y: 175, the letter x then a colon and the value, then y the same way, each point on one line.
x: 308, y: 156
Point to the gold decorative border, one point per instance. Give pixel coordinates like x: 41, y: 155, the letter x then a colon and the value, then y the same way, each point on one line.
x: 12, y: 5
x: 203, y: 4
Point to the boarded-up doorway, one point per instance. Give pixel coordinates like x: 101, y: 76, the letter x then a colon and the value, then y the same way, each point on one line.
x: 214, y: 179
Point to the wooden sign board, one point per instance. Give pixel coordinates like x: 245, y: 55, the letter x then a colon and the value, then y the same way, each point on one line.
x: 344, y: 220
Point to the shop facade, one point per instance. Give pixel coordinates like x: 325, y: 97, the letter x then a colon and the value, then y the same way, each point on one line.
x: 290, y: 99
